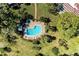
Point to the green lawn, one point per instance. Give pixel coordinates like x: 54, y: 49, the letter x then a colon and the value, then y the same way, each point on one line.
x: 44, y: 10
x: 73, y: 45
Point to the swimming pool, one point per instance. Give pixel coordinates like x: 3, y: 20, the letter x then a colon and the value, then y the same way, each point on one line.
x: 34, y: 31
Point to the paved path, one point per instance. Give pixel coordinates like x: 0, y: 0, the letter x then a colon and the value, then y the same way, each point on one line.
x: 35, y: 11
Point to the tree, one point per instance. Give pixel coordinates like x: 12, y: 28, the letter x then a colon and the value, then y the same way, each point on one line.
x: 14, y: 5
x: 77, y: 32
x: 7, y: 19
x: 11, y: 39
x: 53, y: 11
x: 45, y: 19
x: 67, y: 25
x: 29, y: 16
x: 56, y: 8
x: 53, y: 28
x: 28, y: 4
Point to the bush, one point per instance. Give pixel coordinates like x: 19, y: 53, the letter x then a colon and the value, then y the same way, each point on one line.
x: 47, y: 28
x: 56, y: 8
x: 14, y: 5
x: 45, y: 19
x: 53, y: 11
x: 36, y: 42
x: 55, y: 50
x: 7, y: 49
x: 5, y: 55
x: 28, y: 4
x: 40, y: 54
x: 17, y: 51
x: 11, y: 39
x: 53, y: 28
x: 76, y: 54
x: 37, y: 47
x: 1, y: 55
x: 50, y: 38
x: 29, y: 16
x: 64, y: 55
x: 63, y: 43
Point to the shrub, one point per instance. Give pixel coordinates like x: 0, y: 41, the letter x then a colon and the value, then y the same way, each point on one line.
x: 55, y: 8
x: 28, y: 4
x: 14, y: 6
x: 55, y: 50
x: 5, y: 54
x: 11, y: 39
x: 45, y: 19
x: 76, y: 54
x: 7, y: 49
x: 1, y: 55
x: 37, y: 47
x: 62, y: 42
x: 40, y: 54
x: 64, y: 55
x: 53, y: 28
x: 17, y: 51
x: 36, y: 42
x: 50, y: 38
x: 29, y: 16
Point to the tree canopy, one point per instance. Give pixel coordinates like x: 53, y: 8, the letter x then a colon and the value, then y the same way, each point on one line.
x: 67, y: 25
x: 55, y: 8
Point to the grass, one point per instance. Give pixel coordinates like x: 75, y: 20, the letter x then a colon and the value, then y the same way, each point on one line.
x: 23, y: 46
x: 73, y: 45
x: 30, y: 9
x: 43, y: 10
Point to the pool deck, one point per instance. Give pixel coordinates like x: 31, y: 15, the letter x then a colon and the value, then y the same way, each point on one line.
x: 32, y: 24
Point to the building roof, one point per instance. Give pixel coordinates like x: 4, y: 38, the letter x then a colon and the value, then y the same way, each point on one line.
x: 71, y: 7
x: 77, y: 6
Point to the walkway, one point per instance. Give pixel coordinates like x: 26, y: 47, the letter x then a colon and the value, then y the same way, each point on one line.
x: 35, y: 11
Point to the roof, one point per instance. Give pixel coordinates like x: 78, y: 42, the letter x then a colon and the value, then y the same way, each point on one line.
x: 71, y: 7
x: 77, y: 6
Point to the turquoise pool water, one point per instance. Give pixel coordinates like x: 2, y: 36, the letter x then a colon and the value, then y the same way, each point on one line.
x: 36, y: 30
